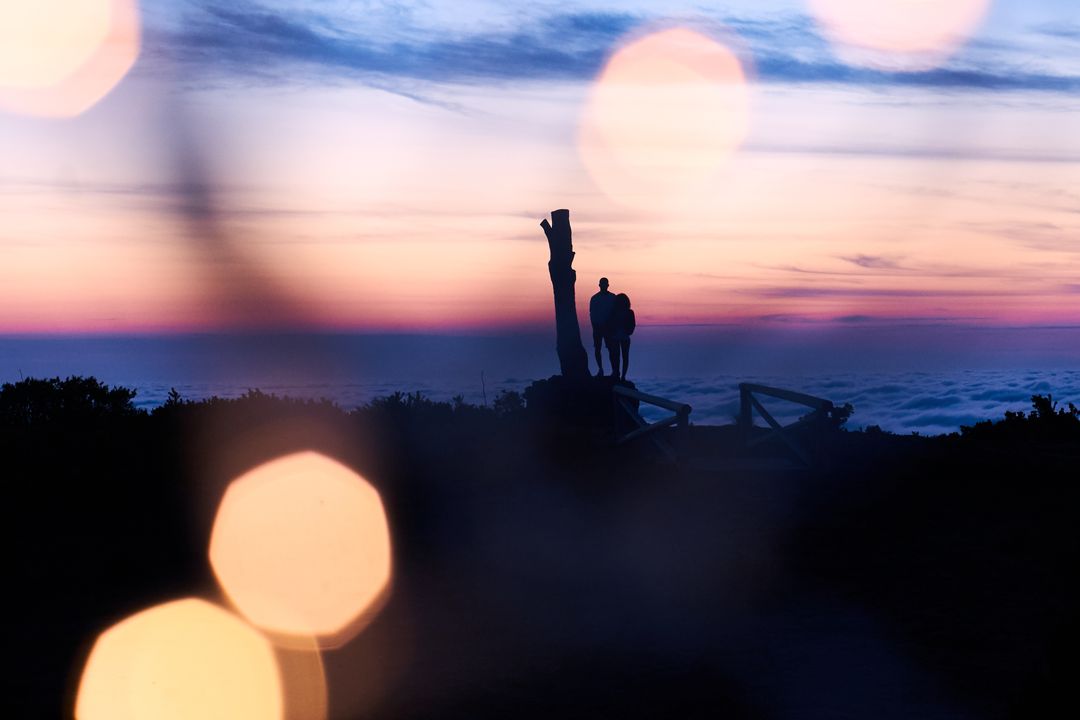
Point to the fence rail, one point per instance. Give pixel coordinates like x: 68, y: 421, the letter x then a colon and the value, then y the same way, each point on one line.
x: 680, y: 418
x: 749, y: 402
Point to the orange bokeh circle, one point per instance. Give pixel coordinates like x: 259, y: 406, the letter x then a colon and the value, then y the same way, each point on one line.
x: 301, y: 547
x: 183, y: 659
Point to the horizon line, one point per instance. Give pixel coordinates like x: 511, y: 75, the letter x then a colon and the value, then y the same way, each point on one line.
x: 508, y: 330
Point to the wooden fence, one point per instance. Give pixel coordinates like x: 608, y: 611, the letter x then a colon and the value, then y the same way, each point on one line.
x: 749, y: 402
x: 680, y: 418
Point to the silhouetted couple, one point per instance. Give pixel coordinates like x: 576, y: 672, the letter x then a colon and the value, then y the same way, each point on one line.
x: 612, y: 324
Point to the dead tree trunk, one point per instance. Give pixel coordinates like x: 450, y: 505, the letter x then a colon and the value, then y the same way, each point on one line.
x: 573, y: 362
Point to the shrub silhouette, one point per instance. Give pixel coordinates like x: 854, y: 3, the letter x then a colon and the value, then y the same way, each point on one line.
x: 1046, y: 423
x: 32, y: 402
x: 509, y: 402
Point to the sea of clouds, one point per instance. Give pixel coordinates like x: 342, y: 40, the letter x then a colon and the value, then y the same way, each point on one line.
x: 901, y: 402
x: 932, y: 388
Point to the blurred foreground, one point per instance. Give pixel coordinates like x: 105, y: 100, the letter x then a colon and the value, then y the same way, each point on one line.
x: 540, y: 572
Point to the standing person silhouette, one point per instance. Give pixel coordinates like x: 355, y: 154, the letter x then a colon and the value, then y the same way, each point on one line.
x: 601, y: 309
x: 623, y: 323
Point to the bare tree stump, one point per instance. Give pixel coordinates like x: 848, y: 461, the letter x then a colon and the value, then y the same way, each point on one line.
x: 573, y: 361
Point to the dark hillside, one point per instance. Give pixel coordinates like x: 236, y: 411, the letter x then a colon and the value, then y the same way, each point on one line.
x: 914, y: 577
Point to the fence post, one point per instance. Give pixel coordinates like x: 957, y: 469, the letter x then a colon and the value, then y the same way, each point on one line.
x: 746, y: 418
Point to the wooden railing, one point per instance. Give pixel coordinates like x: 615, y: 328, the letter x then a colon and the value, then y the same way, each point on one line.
x: 680, y: 418
x: 748, y: 403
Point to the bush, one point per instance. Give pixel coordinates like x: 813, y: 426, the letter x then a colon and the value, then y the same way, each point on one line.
x: 33, y: 402
x: 1046, y: 423
x: 509, y: 402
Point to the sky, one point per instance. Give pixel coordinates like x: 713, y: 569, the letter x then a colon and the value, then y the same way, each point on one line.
x: 384, y: 166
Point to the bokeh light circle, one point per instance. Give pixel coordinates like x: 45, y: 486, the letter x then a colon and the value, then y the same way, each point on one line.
x: 664, y: 114
x: 301, y: 547
x: 184, y: 659
x: 898, y: 34
x: 59, y: 57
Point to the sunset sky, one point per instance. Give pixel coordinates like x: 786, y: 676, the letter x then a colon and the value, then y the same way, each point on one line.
x: 384, y: 166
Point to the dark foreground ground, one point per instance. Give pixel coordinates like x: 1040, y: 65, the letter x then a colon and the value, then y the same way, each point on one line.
x: 541, y: 572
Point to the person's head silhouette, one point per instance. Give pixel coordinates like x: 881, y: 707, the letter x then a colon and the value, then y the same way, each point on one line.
x: 622, y: 300
x: 603, y: 284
